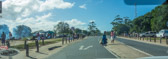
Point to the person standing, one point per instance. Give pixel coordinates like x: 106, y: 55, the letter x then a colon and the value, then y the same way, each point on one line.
x: 38, y: 36
x: 3, y: 36
x: 113, y: 36
x: 10, y: 36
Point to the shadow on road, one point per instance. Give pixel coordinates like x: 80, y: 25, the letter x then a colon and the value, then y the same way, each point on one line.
x: 31, y: 57
x: 42, y: 53
x: 52, y: 48
x: 115, y: 44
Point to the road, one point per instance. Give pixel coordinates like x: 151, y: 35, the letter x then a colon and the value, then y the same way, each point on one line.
x: 151, y: 49
x: 85, y: 49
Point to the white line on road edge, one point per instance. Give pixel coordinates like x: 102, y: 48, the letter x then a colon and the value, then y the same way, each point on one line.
x: 111, y: 52
x: 137, y: 49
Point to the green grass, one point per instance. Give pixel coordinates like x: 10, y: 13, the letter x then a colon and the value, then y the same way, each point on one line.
x: 32, y: 45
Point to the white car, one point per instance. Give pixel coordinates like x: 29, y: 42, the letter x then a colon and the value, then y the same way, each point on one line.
x: 162, y: 33
x: 148, y: 34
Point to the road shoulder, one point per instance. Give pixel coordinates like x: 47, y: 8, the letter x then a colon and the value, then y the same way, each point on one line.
x: 124, y: 51
x: 144, y: 41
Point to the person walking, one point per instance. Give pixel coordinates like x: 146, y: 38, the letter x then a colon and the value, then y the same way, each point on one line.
x: 104, y: 39
x: 3, y: 36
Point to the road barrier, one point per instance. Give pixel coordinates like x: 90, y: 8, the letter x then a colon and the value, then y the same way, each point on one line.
x: 166, y: 40
x: 160, y: 40
x: 43, y: 41
x: 155, y: 40
x: 27, y: 50
x: 8, y: 43
x: 62, y: 40
x: 69, y: 38
x: 66, y: 39
x: 25, y: 42
x: 37, y: 45
x: 150, y: 39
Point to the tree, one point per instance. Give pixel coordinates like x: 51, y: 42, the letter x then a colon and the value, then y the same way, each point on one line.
x: 4, y: 28
x: 98, y: 32
x: 121, y: 25
x: 92, y: 28
x: 85, y: 32
x: 22, y: 31
x: 62, y: 28
x: 152, y: 21
x: 78, y: 31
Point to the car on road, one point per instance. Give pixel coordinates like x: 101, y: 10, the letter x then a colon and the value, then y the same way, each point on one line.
x: 162, y: 33
x: 148, y: 34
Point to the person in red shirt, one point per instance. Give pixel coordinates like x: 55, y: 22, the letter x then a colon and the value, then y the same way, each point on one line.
x: 112, y: 36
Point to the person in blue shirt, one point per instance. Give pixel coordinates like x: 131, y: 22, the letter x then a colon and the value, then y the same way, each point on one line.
x: 104, y: 39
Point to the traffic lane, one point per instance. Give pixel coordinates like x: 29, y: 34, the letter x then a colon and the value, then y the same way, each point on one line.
x: 154, y: 50
x: 86, y: 49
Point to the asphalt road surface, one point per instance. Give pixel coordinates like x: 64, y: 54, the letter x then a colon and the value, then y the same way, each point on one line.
x: 85, y: 49
x: 154, y: 50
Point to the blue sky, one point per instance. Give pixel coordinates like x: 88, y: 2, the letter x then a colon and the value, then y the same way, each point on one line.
x: 102, y: 11
x: 44, y: 14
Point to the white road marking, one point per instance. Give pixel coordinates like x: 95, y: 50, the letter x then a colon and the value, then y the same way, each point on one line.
x: 81, y: 47
x: 88, y: 47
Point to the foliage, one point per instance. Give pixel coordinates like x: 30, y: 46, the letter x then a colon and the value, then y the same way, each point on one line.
x: 22, y: 31
x: 62, y: 28
x: 151, y: 21
x: 121, y: 25
x: 93, y: 30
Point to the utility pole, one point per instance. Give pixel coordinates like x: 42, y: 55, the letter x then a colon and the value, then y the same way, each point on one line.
x: 0, y: 9
x: 135, y: 10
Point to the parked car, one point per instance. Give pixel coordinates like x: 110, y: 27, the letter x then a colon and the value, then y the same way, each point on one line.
x: 148, y: 34
x: 151, y: 34
x: 143, y: 34
x: 162, y: 33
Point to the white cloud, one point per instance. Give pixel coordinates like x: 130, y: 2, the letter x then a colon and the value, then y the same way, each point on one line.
x: 28, y: 12
x: 35, y: 23
x: 13, y: 9
x: 51, y: 4
x: 41, y: 23
x: 83, y: 6
x: 76, y: 23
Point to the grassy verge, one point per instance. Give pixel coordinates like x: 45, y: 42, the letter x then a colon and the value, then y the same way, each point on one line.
x: 152, y: 38
x: 32, y: 45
